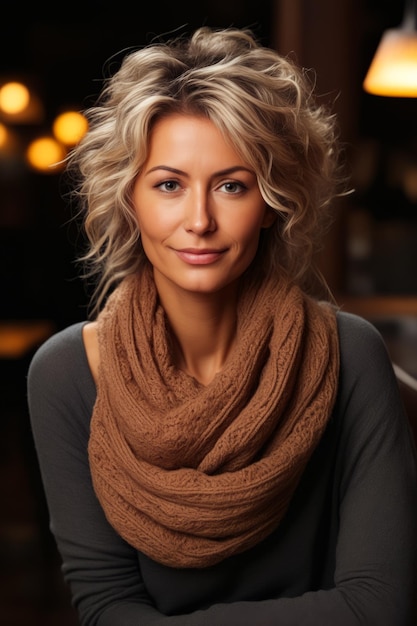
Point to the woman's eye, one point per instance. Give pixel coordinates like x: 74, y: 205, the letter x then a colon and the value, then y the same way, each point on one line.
x: 232, y: 187
x: 168, y: 185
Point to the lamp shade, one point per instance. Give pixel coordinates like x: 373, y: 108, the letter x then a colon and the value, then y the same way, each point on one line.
x: 393, y: 71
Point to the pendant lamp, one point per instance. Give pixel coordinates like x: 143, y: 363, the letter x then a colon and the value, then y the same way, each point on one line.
x: 393, y: 71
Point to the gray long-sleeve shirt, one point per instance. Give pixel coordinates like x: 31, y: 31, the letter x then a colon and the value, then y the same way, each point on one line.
x: 344, y: 555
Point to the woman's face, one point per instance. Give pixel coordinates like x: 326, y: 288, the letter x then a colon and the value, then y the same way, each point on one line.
x: 198, y: 207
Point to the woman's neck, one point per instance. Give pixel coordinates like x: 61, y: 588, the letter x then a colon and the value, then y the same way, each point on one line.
x: 204, y: 329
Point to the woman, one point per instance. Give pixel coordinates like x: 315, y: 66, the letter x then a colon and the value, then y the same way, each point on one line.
x: 217, y: 445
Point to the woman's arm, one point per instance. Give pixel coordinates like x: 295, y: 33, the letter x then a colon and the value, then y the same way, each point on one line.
x: 376, y: 555
x: 100, y: 568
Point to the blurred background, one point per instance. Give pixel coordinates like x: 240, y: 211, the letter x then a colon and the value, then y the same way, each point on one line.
x: 60, y: 58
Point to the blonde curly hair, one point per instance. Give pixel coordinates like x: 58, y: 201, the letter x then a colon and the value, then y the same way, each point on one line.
x: 261, y: 101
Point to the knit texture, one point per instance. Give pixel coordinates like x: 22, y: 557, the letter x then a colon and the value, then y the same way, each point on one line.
x: 190, y: 474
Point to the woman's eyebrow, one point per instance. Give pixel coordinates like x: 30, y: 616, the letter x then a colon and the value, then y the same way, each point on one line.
x: 225, y: 172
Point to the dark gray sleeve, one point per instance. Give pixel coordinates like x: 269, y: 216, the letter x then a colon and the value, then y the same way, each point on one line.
x: 99, y: 566
x: 376, y: 548
x: 376, y: 552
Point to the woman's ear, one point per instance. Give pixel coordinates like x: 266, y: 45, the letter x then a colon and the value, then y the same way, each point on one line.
x: 269, y: 217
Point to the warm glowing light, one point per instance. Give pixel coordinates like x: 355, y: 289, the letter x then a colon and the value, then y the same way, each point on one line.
x: 14, y: 98
x: 9, y: 144
x: 3, y: 135
x: 393, y: 71
x: 45, y: 154
x: 69, y: 127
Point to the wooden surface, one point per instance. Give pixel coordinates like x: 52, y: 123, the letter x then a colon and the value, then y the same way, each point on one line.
x: 373, y: 306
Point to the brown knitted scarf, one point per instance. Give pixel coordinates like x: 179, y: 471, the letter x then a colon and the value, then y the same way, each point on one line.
x: 191, y: 474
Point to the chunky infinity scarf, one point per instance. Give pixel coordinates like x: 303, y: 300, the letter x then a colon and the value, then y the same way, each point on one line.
x: 191, y: 474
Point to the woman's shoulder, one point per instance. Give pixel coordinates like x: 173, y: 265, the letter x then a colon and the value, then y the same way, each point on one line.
x: 61, y: 358
x: 65, y: 341
x: 360, y: 341
x: 368, y: 387
x: 353, y: 323
x: 61, y: 395
x: 60, y: 387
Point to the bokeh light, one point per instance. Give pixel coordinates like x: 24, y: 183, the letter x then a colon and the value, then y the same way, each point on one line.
x: 46, y: 154
x: 3, y: 135
x: 14, y: 98
x: 69, y: 127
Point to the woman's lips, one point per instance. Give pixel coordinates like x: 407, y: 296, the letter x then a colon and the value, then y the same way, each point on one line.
x: 194, y: 256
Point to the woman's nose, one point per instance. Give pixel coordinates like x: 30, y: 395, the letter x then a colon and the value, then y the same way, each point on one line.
x: 199, y: 216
